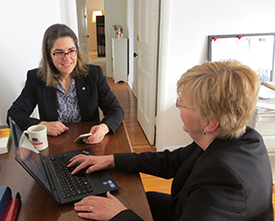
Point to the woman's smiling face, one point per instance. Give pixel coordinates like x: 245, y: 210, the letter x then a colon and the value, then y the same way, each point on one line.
x: 64, y: 65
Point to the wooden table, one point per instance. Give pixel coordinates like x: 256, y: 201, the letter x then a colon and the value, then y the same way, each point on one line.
x: 37, y: 203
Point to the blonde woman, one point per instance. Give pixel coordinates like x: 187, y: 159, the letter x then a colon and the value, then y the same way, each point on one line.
x: 224, y: 174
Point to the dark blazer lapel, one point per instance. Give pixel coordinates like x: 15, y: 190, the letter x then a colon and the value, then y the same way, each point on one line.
x: 49, y: 105
x: 184, y: 172
x: 192, y: 163
x: 83, y: 91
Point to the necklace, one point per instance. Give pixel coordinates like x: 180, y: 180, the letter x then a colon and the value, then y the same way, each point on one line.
x: 66, y: 89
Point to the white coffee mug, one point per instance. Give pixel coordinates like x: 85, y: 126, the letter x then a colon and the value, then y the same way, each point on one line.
x: 37, y: 134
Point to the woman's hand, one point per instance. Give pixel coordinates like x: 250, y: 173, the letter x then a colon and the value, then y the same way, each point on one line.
x: 93, y: 162
x: 54, y: 128
x: 98, y: 133
x: 23, y: 153
x: 99, y: 208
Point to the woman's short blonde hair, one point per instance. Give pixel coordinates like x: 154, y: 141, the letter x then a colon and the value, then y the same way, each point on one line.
x: 47, y: 71
x: 225, y: 91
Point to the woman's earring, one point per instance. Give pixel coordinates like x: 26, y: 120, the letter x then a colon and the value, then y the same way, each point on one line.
x: 205, y: 132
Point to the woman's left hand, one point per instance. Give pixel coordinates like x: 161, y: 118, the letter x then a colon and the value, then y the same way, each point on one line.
x: 98, y: 207
x: 98, y: 132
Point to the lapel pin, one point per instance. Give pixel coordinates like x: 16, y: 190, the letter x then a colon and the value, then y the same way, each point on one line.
x: 83, y: 88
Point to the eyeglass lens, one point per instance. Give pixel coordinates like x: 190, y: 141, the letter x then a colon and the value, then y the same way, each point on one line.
x: 60, y: 54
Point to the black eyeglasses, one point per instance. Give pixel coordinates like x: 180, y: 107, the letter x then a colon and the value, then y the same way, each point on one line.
x: 182, y: 106
x: 61, y: 54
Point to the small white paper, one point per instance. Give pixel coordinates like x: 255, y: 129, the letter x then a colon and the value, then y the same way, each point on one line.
x: 25, y: 143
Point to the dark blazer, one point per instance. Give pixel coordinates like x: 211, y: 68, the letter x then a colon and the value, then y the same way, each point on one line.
x: 92, y: 92
x: 232, y: 179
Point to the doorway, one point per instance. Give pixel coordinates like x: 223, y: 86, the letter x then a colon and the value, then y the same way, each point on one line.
x: 94, y: 7
x: 148, y: 21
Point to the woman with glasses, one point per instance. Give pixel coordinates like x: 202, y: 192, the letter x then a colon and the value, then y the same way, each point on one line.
x: 66, y: 90
x: 224, y: 174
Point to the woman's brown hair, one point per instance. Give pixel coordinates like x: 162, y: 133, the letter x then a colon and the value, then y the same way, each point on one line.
x: 47, y: 71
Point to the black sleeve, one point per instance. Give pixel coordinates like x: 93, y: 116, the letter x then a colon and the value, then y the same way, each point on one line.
x: 126, y: 215
x: 162, y: 164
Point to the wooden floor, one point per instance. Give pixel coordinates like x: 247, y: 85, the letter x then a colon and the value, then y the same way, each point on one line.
x: 137, y: 138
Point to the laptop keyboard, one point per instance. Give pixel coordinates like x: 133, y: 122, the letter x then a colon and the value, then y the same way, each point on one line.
x: 70, y: 185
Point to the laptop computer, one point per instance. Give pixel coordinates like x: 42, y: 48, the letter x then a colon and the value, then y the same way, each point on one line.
x: 52, y: 174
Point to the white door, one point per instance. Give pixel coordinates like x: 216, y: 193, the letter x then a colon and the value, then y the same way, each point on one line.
x: 82, y: 26
x: 146, y: 47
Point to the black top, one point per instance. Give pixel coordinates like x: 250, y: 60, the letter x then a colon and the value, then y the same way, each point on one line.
x: 232, y: 179
x: 92, y: 92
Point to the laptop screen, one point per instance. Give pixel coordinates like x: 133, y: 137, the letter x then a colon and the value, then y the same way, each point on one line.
x: 28, y: 156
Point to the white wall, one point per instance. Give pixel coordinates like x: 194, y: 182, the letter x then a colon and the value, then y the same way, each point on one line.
x: 185, y: 26
x: 115, y: 13
x: 23, y: 24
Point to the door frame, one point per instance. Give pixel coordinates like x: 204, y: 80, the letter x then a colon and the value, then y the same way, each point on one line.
x: 147, y: 120
x: 81, y: 11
